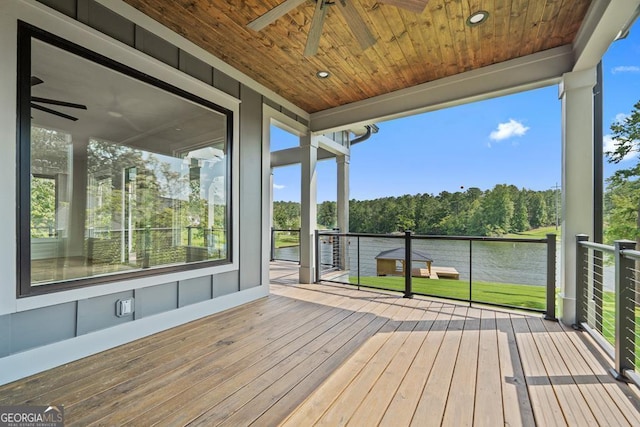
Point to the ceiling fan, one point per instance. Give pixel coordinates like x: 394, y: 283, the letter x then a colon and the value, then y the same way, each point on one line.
x: 35, y: 101
x: 355, y: 22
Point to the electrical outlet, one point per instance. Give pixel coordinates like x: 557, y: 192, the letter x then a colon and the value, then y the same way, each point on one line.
x: 124, y: 307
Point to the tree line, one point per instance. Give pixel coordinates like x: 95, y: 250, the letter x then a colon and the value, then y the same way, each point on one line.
x: 503, y: 209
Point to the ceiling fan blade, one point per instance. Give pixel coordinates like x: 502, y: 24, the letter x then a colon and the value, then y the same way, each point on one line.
x: 56, y: 102
x: 356, y: 24
x: 55, y: 113
x: 416, y: 6
x: 36, y: 81
x: 275, y: 13
x: 315, y: 31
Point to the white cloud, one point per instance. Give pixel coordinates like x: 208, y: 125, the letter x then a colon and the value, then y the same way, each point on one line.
x: 507, y: 130
x: 278, y: 187
x: 625, y: 69
x: 620, y: 117
x: 609, y: 144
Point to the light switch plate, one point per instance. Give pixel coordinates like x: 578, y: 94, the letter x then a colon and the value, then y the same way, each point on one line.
x: 124, y: 307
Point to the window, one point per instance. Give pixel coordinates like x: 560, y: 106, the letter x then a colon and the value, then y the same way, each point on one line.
x: 125, y: 175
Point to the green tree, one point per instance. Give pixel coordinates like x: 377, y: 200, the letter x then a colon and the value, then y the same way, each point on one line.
x: 621, y: 210
x: 538, y: 211
x: 50, y: 151
x: 286, y: 215
x: 497, y: 210
x: 327, y: 216
x: 521, y: 214
x: 43, y: 207
x: 624, y: 200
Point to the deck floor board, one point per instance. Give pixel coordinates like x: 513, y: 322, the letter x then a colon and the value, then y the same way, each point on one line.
x: 333, y: 355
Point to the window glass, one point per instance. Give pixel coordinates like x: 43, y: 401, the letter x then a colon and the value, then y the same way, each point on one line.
x: 125, y: 176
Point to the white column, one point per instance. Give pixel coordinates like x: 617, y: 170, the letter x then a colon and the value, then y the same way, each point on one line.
x: 342, y: 206
x: 308, y: 208
x: 270, y: 200
x: 343, y: 193
x: 576, y: 94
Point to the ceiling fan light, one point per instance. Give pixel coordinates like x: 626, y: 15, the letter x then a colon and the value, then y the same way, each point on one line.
x: 477, y: 18
x: 322, y: 74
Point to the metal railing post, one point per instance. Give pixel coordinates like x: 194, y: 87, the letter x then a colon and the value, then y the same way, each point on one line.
x: 317, y: 254
x: 582, y: 279
x: 335, y: 249
x: 358, y: 256
x: 299, y: 231
x: 408, y: 292
x: 470, y: 271
x: 273, y: 244
x: 625, y: 310
x: 550, y: 314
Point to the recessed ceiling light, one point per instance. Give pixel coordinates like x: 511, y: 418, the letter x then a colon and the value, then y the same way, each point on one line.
x: 322, y: 74
x: 114, y: 114
x: 477, y: 18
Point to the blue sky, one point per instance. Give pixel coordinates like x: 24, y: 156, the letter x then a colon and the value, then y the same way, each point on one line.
x: 508, y: 140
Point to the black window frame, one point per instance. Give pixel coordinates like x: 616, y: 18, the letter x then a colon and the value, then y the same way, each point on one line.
x: 27, y: 32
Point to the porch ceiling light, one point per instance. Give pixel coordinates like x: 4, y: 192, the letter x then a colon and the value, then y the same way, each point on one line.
x: 322, y: 74
x: 477, y: 18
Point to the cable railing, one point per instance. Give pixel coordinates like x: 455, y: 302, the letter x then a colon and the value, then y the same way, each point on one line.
x: 285, y: 245
x: 608, y: 300
x: 507, y: 272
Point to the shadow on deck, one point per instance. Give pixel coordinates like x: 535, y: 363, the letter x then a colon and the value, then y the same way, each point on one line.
x: 332, y: 355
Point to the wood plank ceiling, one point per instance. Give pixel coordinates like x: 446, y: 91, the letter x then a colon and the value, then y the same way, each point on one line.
x: 410, y: 48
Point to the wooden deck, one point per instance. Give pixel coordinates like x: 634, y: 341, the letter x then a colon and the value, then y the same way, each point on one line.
x: 445, y: 272
x: 330, y: 355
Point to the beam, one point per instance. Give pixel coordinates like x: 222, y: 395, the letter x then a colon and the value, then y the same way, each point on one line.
x: 605, y: 20
x: 291, y: 156
x: 331, y: 146
x: 528, y: 72
x: 286, y: 157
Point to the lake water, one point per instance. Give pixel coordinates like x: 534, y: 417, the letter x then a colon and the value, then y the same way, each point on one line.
x: 503, y: 262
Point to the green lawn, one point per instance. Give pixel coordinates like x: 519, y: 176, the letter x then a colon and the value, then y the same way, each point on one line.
x: 537, y: 233
x: 514, y: 295
x: 283, y: 240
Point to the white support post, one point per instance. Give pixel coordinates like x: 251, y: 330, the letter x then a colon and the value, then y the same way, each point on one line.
x: 576, y: 94
x: 271, y: 199
x: 308, y: 208
x: 342, y: 206
x: 343, y: 193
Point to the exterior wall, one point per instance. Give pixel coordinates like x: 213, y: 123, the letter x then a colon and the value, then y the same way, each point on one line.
x: 387, y: 267
x: 43, y: 331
